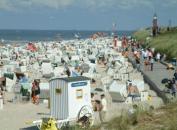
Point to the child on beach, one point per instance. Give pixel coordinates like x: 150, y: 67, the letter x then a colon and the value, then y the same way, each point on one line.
x: 35, y: 92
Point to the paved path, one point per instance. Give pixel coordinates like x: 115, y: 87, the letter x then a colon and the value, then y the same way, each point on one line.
x: 159, y: 72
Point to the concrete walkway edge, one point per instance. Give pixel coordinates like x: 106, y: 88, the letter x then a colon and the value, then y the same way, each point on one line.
x: 152, y: 85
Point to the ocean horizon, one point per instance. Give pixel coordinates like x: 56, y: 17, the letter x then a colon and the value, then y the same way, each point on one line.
x: 31, y: 35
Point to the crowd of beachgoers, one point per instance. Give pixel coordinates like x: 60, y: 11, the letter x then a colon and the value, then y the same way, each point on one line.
x: 26, y: 71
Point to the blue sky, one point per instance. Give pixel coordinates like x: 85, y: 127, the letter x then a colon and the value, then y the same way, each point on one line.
x: 85, y: 14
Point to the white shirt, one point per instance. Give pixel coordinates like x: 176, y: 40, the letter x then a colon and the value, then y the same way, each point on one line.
x: 104, y: 103
x: 158, y: 56
x: 145, y: 54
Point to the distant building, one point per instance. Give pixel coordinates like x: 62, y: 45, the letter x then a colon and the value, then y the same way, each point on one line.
x: 155, y: 26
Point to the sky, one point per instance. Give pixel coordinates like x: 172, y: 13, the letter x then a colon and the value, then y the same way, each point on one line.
x: 85, y: 14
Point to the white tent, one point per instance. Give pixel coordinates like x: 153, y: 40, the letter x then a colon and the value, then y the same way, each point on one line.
x: 134, y: 76
x: 75, y: 57
x: 10, y: 83
x: 123, y: 70
x: 23, y: 69
x: 58, y: 71
x: 144, y: 96
x: 139, y: 83
x: 110, y: 71
x: 129, y: 69
x: 46, y: 69
x: 36, y: 66
x: 120, y: 87
x: 106, y: 80
x: 44, y: 85
x: 124, y: 77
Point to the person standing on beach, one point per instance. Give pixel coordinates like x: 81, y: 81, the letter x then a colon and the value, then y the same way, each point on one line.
x: 132, y: 91
x: 35, y: 92
x: 93, y: 102
x: 104, y: 108
x: 2, y: 93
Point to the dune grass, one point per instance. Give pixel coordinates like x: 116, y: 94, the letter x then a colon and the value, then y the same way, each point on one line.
x: 142, y: 34
x: 164, y: 118
x: 165, y: 42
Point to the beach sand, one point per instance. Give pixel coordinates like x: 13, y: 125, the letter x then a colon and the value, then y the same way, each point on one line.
x: 15, y: 116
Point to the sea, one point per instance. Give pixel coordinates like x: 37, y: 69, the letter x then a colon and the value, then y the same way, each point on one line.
x: 8, y: 36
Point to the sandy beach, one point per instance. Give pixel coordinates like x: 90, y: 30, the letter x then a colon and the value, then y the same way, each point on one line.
x: 15, y: 116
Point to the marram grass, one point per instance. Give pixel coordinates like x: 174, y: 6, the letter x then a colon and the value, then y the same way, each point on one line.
x: 165, y: 42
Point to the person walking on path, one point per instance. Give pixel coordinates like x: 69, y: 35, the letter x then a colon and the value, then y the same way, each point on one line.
x: 152, y: 63
x: 137, y: 59
x: 146, y: 63
x: 158, y: 57
x: 173, y: 87
x: 150, y: 54
x: 175, y: 75
x: 104, y: 108
x: 145, y: 54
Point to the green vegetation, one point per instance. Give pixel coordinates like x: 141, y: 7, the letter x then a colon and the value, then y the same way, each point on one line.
x: 142, y: 34
x: 79, y: 128
x: 164, y: 118
x: 165, y: 42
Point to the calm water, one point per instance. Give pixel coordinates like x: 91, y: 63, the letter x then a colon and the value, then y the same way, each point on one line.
x: 48, y: 35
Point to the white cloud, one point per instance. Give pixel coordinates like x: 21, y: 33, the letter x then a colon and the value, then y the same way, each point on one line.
x: 5, y: 5
x: 21, y: 4
x: 167, y: 3
x: 52, y: 3
x: 57, y: 4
